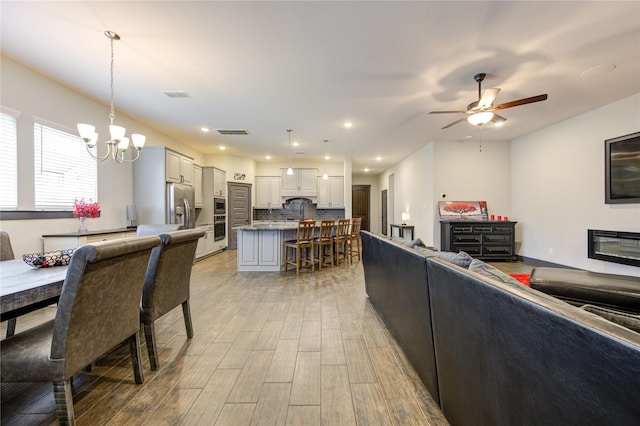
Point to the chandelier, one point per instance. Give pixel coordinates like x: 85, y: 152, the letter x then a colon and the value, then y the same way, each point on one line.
x: 119, y: 143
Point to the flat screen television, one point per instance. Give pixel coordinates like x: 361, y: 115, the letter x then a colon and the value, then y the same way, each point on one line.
x: 622, y: 169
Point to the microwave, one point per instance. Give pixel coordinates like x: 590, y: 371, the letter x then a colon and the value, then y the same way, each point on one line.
x: 219, y: 205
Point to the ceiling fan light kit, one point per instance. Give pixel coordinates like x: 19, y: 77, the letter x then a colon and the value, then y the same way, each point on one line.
x: 481, y: 112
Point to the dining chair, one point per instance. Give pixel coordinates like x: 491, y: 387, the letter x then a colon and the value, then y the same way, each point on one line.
x: 6, y: 253
x: 166, y: 284
x: 355, y: 241
x: 303, y: 241
x: 156, y: 229
x: 341, y: 241
x: 99, y: 308
x: 324, y: 240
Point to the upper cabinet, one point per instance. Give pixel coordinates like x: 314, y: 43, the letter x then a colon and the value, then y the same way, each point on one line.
x: 219, y: 182
x: 331, y: 193
x: 179, y: 168
x: 302, y: 183
x: 197, y: 185
x: 268, y: 192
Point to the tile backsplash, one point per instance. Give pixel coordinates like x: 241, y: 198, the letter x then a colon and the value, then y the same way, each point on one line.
x: 297, y: 209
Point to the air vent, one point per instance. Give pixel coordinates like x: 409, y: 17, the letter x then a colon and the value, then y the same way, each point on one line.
x: 177, y: 94
x: 235, y: 132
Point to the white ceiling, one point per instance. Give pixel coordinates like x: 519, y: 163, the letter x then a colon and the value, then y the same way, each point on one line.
x: 310, y: 66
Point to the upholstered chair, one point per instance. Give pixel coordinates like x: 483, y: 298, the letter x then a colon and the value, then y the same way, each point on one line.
x: 152, y: 229
x: 6, y: 253
x: 166, y: 284
x: 99, y: 308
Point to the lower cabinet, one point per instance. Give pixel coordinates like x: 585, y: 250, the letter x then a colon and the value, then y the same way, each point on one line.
x: 260, y: 250
x: 482, y: 240
x: 207, y: 244
x: 54, y: 242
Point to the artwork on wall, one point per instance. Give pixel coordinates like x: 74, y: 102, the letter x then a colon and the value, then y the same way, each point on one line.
x: 456, y: 210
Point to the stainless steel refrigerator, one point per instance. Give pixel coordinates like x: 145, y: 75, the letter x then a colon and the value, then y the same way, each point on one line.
x: 181, y: 205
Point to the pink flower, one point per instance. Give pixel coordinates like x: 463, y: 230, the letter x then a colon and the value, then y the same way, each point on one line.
x: 84, y: 208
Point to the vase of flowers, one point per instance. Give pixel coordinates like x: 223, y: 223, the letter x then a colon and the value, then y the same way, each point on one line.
x: 83, y: 209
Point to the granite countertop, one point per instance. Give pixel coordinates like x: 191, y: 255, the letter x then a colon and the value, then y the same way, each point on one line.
x: 97, y: 232
x: 265, y: 225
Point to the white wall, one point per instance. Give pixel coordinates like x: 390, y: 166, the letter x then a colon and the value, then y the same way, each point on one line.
x: 557, y: 179
x: 33, y: 95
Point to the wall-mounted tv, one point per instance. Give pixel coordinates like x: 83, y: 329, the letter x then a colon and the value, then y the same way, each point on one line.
x: 622, y: 169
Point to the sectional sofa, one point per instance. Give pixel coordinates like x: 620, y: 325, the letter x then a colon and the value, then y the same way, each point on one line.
x: 492, y: 351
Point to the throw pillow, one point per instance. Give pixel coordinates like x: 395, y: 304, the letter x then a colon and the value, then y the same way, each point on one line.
x: 478, y: 266
x: 426, y: 252
x: 461, y: 258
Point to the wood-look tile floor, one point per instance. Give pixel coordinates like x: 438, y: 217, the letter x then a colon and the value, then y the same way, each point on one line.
x: 269, y: 349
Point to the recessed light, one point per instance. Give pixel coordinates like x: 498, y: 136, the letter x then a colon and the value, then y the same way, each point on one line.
x: 268, y: 157
x: 204, y: 129
x: 378, y: 158
x: 598, y: 70
x: 326, y: 157
x: 222, y: 148
x: 366, y: 170
x: 295, y: 143
x: 348, y: 124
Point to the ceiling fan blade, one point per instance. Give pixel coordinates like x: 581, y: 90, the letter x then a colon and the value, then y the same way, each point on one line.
x: 455, y: 122
x: 521, y: 102
x: 488, y: 97
x: 447, y: 112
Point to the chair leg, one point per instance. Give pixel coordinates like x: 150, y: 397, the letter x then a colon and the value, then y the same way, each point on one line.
x: 186, y: 312
x: 11, y: 327
x: 64, y: 402
x: 150, y: 337
x: 136, y: 357
x: 297, y: 260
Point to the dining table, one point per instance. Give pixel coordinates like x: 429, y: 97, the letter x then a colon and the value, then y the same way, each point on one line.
x: 24, y: 288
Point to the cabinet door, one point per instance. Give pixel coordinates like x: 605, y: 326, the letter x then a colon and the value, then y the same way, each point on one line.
x: 308, y: 181
x: 173, y: 163
x: 274, y: 200
x: 186, y: 169
x: 289, y: 183
x: 269, y: 251
x: 197, y: 184
x: 336, y: 192
x: 263, y: 192
x: 324, y: 198
x: 219, y: 182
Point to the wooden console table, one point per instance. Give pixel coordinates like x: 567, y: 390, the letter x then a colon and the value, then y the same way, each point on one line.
x: 487, y: 240
x: 401, y: 230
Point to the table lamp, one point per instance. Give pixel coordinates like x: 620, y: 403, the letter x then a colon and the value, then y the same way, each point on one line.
x: 405, y: 218
x: 131, y: 216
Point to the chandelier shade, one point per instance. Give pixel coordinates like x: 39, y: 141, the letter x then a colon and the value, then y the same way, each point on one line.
x: 480, y: 118
x: 118, y: 143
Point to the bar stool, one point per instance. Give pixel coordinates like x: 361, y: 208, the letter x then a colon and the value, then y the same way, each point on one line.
x: 341, y: 240
x: 355, y: 242
x: 304, y: 240
x: 325, y: 239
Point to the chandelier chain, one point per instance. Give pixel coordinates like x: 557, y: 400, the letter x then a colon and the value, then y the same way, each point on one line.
x: 112, y: 115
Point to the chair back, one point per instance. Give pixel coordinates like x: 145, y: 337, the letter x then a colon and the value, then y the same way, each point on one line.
x: 305, y: 230
x: 6, y: 252
x: 149, y: 229
x: 99, y: 305
x: 168, y: 277
x: 326, y: 229
x: 356, y: 223
x: 343, y: 229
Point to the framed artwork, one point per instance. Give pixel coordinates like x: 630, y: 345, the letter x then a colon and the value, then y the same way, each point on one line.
x: 457, y: 210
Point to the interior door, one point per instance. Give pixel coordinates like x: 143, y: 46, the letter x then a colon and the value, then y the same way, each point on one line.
x: 360, y: 195
x: 239, y: 210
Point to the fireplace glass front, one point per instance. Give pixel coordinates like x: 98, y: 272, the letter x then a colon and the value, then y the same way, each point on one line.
x: 613, y: 246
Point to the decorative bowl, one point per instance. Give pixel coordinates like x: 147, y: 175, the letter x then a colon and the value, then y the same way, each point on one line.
x: 49, y: 259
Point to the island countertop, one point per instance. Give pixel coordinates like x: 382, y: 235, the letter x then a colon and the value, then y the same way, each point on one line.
x: 265, y: 225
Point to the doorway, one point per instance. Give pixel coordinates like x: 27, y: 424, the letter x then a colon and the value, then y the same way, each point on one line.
x: 239, y: 212
x: 360, y: 204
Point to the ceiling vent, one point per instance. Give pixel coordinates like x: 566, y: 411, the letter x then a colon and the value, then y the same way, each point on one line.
x: 233, y: 132
x: 177, y: 94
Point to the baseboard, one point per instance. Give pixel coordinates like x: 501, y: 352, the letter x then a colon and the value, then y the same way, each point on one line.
x: 544, y: 263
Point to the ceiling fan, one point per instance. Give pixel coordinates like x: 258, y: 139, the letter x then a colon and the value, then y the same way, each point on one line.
x: 482, y: 111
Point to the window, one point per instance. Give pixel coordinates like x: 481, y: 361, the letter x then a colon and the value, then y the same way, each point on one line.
x: 63, y: 169
x: 8, y: 162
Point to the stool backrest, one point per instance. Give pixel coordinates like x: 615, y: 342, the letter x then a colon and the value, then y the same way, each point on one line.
x: 326, y: 229
x: 356, y: 222
x: 343, y: 228
x: 305, y: 230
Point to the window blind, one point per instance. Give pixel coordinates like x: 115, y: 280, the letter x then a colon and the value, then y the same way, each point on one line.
x: 8, y: 162
x: 63, y: 169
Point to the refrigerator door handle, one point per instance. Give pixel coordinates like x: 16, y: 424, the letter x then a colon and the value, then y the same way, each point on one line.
x: 187, y: 216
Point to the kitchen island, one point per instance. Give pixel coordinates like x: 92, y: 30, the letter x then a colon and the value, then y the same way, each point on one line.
x: 260, y: 245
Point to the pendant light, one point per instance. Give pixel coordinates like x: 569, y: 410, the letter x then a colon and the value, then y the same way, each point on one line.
x: 325, y: 176
x: 289, y: 170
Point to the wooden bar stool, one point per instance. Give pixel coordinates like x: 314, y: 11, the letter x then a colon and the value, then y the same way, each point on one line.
x: 304, y: 240
x: 341, y: 241
x: 324, y: 240
x: 355, y: 242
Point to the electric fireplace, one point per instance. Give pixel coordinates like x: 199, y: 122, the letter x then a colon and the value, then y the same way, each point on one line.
x: 614, y: 246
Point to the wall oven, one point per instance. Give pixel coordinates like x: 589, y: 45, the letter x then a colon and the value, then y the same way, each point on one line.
x: 219, y: 227
x: 219, y: 206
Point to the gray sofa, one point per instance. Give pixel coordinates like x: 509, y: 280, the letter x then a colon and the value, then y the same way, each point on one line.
x: 492, y: 351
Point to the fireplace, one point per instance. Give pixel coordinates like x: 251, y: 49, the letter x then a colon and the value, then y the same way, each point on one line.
x: 614, y: 246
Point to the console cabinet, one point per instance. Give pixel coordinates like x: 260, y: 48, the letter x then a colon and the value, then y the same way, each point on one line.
x: 487, y: 240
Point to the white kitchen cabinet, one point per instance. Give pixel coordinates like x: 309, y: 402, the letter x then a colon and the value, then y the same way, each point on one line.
x: 268, y: 192
x: 331, y: 193
x: 179, y: 168
x: 260, y: 250
x: 206, y: 244
x: 303, y: 183
x: 219, y: 183
x: 197, y: 185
